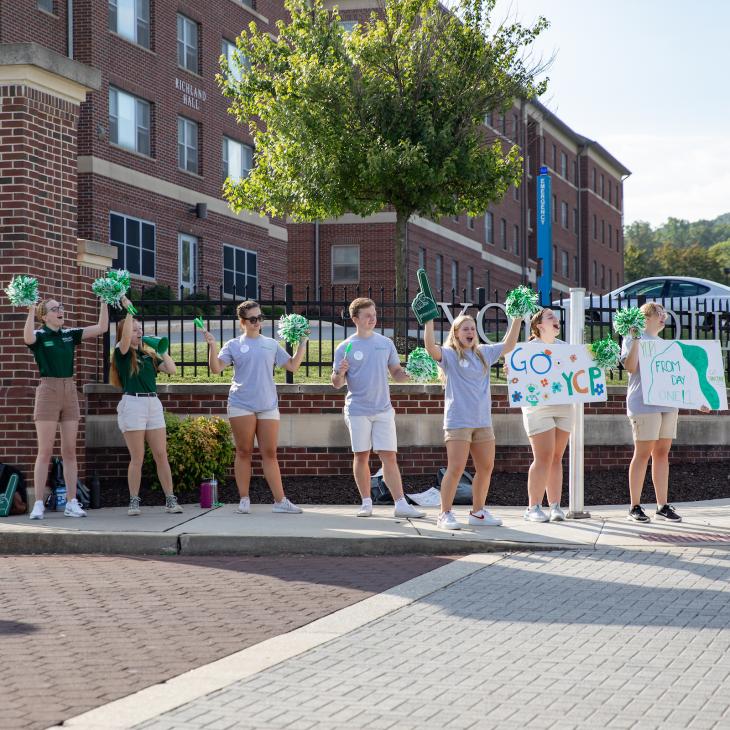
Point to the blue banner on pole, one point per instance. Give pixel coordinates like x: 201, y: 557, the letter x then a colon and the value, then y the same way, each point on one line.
x: 544, y: 237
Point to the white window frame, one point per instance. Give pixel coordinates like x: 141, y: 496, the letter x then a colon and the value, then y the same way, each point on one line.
x: 245, y: 157
x: 439, y: 276
x: 188, y: 285
x: 564, y: 165
x: 564, y: 215
x: 422, y: 258
x: 232, y: 55
x: 248, y: 294
x: 46, y: 5
x: 564, y: 264
x: 503, y: 233
x: 135, y: 25
x: 455, y: 276
x: 135, y: 112
x: 337, y: 249
x: 186, y: 145
x: 188, y: 41
x: 489, y: 228
x: 122, y: 261
x: 470, y: 282
x: 515, y: 239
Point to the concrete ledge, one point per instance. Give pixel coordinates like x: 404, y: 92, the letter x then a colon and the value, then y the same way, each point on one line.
x: 41, y: 542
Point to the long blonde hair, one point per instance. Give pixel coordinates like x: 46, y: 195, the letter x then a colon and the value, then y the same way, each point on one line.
x: 452, y: 341
x: 114, y: 377
x: 535, y: 320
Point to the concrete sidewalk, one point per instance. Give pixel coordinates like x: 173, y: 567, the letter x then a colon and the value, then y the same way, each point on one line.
x: 334, y: 530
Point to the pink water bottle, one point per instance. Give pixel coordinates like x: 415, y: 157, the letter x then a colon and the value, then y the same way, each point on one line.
x: 206, y: 494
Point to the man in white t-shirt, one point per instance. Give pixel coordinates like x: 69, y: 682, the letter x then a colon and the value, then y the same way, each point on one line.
x: 363, y: 361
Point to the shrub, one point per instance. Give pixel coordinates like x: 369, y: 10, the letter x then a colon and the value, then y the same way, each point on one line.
x: 197, y: 447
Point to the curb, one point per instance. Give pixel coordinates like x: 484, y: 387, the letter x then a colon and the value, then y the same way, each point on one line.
x: 41, y: 542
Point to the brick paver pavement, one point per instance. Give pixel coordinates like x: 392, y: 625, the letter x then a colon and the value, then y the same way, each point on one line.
x: 77, y: 632
x: 605, y: 639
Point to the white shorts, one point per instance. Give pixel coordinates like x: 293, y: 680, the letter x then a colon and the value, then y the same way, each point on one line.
x: 272, y: 415
x: 376, y: 433
x: 545, y: 418
x: 139, y: 414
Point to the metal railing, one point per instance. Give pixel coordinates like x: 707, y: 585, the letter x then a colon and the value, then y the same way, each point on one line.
x: 327, y: 311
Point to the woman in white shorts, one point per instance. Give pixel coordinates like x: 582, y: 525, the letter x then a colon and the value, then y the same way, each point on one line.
x: 548, y: 428
x: 134, y: 368
x: 653, y: 427
x: 253, y: 406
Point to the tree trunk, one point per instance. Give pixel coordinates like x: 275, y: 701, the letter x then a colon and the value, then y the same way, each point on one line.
x: 401, y: 278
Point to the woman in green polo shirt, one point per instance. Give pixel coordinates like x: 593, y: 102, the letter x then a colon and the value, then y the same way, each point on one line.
x: 139, y: 414
x: 56, y: 399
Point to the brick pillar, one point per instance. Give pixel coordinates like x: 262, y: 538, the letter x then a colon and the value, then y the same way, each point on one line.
x: 40, y: 96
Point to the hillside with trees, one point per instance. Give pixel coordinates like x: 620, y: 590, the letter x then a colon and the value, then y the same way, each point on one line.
x: 679, y: 248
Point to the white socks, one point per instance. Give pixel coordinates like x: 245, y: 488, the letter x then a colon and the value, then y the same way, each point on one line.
x: 367, y: 502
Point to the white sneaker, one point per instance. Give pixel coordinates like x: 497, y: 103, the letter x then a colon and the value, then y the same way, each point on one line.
x: 73, y: 509
x: 447, y: 521
x: 535, y: 514
x: 556, y: 514
x: 287, y: 507
x: 407, y: 510
x: 366, y: 510
x: 38, y: 510
x: 484, y: 518
x: 244, y: 506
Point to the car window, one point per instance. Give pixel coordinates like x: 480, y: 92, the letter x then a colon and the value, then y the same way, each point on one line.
x: 686, y: 289
x: 644, y: 289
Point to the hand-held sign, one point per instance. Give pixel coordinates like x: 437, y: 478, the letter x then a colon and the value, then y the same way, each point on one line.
x: 424, y: 305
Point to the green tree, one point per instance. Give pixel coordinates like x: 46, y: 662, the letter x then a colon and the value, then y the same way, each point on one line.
x: 389, y: 115
x: 638, y: 262
x: 641, y: 235
x: 691, y: 260
x: 721, y: 253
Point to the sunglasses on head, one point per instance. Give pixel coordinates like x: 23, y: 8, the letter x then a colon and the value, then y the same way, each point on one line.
x: 253, y: 320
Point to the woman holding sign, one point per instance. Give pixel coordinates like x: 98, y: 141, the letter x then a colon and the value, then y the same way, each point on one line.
x: 653, y: 427
x: 548, y: 428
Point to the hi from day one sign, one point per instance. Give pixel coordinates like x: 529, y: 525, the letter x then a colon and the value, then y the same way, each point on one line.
x: 551, y: 375
x: 682, y: 373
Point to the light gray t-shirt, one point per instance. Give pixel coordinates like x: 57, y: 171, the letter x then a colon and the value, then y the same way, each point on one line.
x: 635, y: 405
x: 566, y: 407
x: 367, y: 379
x: 468, y: 400
x: 253, y: 360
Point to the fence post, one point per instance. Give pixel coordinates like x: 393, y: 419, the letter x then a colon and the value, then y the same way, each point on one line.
x: 288, y: 308
x: 576, y: 506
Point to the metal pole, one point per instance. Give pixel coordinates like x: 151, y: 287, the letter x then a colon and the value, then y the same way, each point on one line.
x: 576, y: 506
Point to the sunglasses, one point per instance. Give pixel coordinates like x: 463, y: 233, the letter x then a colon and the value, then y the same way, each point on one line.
x: 59, y: 308
x: 253, y: 320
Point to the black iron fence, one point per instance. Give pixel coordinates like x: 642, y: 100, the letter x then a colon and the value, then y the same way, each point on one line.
x: 327, y: 311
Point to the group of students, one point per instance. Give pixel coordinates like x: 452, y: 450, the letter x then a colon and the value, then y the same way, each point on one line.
x: 363, y: 363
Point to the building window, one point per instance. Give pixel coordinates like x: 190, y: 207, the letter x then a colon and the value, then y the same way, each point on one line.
x: 564, y: 264
x: 455, y: 275
x: 236, y: 61
x: 46, y: 5
x: 187, y: 262
x: 564, y: 165
x: 618, y: 201
x: 489, y: 227
x: 575, y: 268
x: 595, y: 184
x: 555, y: 209
x: 503, y: 233
x: 135, y: 242
x: 503, y: 124
x: 603, y: 276
x: 516, y: 192
x: 555, y: 259
x: 595, y: 274
x: 610, y: 279
x: 516, y: 239
x: 603, y: 186
x: 129, y: 121
x: 422, y: 258
x: 618, y: 241
x: 555, y: 158
x: 439, y: 281
x: 187, y: 145
x: 489, y: 119
x: 345, y: 264
x: 470, y: 283
x: 187, y: 44
x: 131, y: 20
x: 348, y: 25
x: 487, y: 280
x: 470, y: 223
x: 515, y: 127
x: 237, y: 159
x: 455, y: 218
x: 240, y: 278
x: 603, y: 231
x: 564, y: 214
x: 610, y: 236
x: 575, y: 221
x: 575, y: 172
x: 610, y: 191
x: 595, y: 228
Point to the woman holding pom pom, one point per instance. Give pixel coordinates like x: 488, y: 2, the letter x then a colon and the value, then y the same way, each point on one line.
x: 653, y: 427
x: 252, y: 403
x: 134, y: 368
x: 56, y: 399
x: 465, y: 365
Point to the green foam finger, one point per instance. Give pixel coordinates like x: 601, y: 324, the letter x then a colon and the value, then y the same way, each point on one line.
x: 424, y: 284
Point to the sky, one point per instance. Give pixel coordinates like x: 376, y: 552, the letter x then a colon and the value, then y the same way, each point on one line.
x: 650, y: 81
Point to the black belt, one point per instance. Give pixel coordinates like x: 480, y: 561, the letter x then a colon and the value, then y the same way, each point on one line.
x: 143, y: 395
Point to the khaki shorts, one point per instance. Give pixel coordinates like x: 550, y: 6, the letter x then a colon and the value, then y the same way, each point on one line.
x: 139, y: 414
x: 653, y: 426
x: 376, y: 433
x: 56, y: 399
x: 271, y: 415
x: 472, y: 435
x: 544, y: 418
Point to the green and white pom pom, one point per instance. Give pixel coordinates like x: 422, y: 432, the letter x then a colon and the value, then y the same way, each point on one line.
x: 629, y: 321
x: 293, y: 328
x: 120, y: 275
x: 606, y: 353
x: 521, y: 302
x: 22, y: 291
x: 421, y: 367
x: 110, y: 291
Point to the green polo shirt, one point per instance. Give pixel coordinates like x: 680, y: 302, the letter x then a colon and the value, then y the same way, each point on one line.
x: 145, y: 380
x: 54, y: 351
